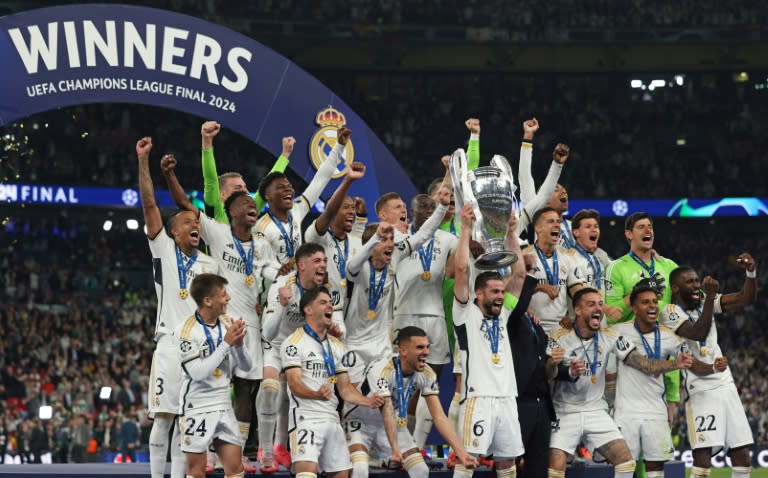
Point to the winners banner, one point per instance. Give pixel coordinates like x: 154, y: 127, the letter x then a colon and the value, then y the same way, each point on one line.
x: 98, y: 53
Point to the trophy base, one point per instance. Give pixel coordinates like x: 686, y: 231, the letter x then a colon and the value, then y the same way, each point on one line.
x: 495, y: 260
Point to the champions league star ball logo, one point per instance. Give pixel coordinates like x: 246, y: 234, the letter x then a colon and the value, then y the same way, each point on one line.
x: 324, y: 139
x: 130, y: 197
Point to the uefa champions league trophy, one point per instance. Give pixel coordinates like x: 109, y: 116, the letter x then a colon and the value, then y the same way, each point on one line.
x: 490, y: 190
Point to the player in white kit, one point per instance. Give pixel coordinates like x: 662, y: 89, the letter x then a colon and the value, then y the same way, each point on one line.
x: 175, y: 262
x: 314, y: 369
x: 369, y: 315
x: 282, y: 317
x: 715, y: 415
x: 582, y: 411
x: 640, y: 408
x: 210, y: 345
x: 281, y: 225
x: 555, y: 268
x: 397, y: 379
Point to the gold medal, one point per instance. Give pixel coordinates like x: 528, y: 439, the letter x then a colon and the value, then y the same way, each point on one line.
x: 217, y: 373
x: 426, y: 275
x: 402, y: 422
x: 496, y: 358
x: 332, y: 379
x: 594, y: 378
x: 704, y: 351
x: 183, y: 294
x: 371, y: 314
x: 343, y: 283
x: 249, y: 280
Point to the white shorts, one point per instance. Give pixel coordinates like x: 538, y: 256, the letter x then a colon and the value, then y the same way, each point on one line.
x: 594, y: 428
x: 650, y: 438
x: 439, y: 350
x: 489, y: 425
x: 716, y: 419
x: 368, y: 352
x: 371, y: 434
x: 272, y: 357
x: 255, y: 349
x: 165, y: 378
x: 198, y: 431
x: 320, y: 442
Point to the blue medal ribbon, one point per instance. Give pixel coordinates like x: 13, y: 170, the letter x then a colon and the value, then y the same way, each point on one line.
x: 452, y: 227
x: 184, y: 269
x: 594, y: 363
x: 654, y: 353
x: 593, y: 262
x: 568, y: 236
x: 330, y: 364
x: 376, y: 291
x: 247, y: 259
x: 649, y: 269
x: 342, y: 257
x: 425, y: 254
x: 404, y: 394
x: 208, y: 337
x: 287, y: 239
x: 493, y: 333
x: 702, y: 343
x: 553, y: 277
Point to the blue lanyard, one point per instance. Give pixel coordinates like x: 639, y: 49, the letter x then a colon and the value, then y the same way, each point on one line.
x: 650, y: 269
x: 247, y: 259
x: 342, y: 257
x: 184, y: 270
x: 593, y: 262
x: 425, y: 255
x: 552, y: 277
x: 702, y: 343
x: 375, y: 292
x: 287, y: 239
x: 452, y: 227
x: 594, y: 363
x: 568, y: 236
x: 208, y: 337
x: 404, y: 394
x: 654, y: 353
x: 493, y: 333
x: 330, y: 364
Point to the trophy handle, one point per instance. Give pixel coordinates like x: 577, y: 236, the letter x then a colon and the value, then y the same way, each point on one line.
x: 458, y: 169
x: 500, y: 162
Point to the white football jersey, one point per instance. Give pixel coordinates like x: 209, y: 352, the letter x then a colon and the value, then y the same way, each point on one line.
x: 172, y: 309
x: 338, y: 252
x: 211, y: 394
x: 482, y: 377
x: 302, y: 351
x: 640, y: 395
x: 673, y: 315
x: 361, y: 328
x: 549, y: 311
x: 414, y: 294
x: 582, y: 395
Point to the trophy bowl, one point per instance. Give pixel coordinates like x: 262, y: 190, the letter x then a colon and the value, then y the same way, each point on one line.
x: 493, y: 190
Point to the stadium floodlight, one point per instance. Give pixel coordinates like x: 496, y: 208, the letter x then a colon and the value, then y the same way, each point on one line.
x: 636, y: 83
x: 105, y: 392
x: 107, y: 225
x: 680, y: 141
x: 679, y: 79
x: 46, y: 412
x: 658, y: 84
x: 132, y: 224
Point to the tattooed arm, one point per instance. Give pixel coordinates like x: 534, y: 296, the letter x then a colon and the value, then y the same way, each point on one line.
x: 655, y: 367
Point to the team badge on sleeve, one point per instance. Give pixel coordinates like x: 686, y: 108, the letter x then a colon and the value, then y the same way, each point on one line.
x: 291, y: 351
x: 186, y: 346
x: 622, y: 344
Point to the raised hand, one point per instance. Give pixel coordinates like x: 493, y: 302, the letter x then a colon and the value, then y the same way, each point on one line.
x: 444, y: 196
x: 445, y: 160
x: 288, y: 144
x: 210, y: 129
x: 168, y: 163
x: 360, y: 208
x: 356, y: 170
x: 531, y: 126
x: 343, y: 135
x: 467, y: 216
x: 561, y: 153
x: 144, y: 146
x: 711, y: 287
x: 745, y: 261
x: 473, y: 125
x: 384, y: 230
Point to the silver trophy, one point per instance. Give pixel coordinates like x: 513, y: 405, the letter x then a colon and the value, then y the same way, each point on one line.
x: 490, y: 190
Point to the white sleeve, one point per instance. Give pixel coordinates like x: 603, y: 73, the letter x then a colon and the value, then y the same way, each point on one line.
x: 273, y: 314
x: 355, y: 263
x: 319, y: 181
x: 358, y: 228
x: 524, y: 175
x: 623, y: 347
x: 242, y: 357
x: 199, y: 368
x: 338, y: 319
x: 426, y: 230
x: 545, y: 192
x: 209, y: 228
x: 311, y: 234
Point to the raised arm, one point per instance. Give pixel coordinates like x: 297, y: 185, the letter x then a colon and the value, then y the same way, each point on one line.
x: 748, y: 292
x: 427, y: 230
x: 147, y: 191
x: 514, y: 281
x: 473, y: 147
x: 540, y: 199
x: 211, y: 191
x: 700, y: 329
x: 524, y: 175
x: 168, y: 164
x: 279, y: 167
x: 461, y: 287
x: 323, y: 222
x: 326, y: 169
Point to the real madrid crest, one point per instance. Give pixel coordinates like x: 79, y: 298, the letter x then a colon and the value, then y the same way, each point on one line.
x: 324, y: 139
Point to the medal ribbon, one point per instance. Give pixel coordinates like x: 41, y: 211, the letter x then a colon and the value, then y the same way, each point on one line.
x: 593, y: 262
x: 553, y: 277
x: 654, y: 353
x: 568, y: 236
x: 184, y: 269
x: 330, y: 364
x: 493, y: 333
x: 342, y: 257
x: 287, y: 239
x: 650, y: 269
x: 593, y: 364
x: 247, y: 259
x: 208, y: 337
x: 425, y: 255
x: 375, y: 292
x: 404, y: 394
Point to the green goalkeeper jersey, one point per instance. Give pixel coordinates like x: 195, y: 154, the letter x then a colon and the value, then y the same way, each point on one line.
x: 622, y: 275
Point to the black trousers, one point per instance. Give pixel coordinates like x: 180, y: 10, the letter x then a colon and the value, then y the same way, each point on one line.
x: 535, y: 425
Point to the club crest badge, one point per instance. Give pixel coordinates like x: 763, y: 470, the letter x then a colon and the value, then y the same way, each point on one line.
x: 324, y: 139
